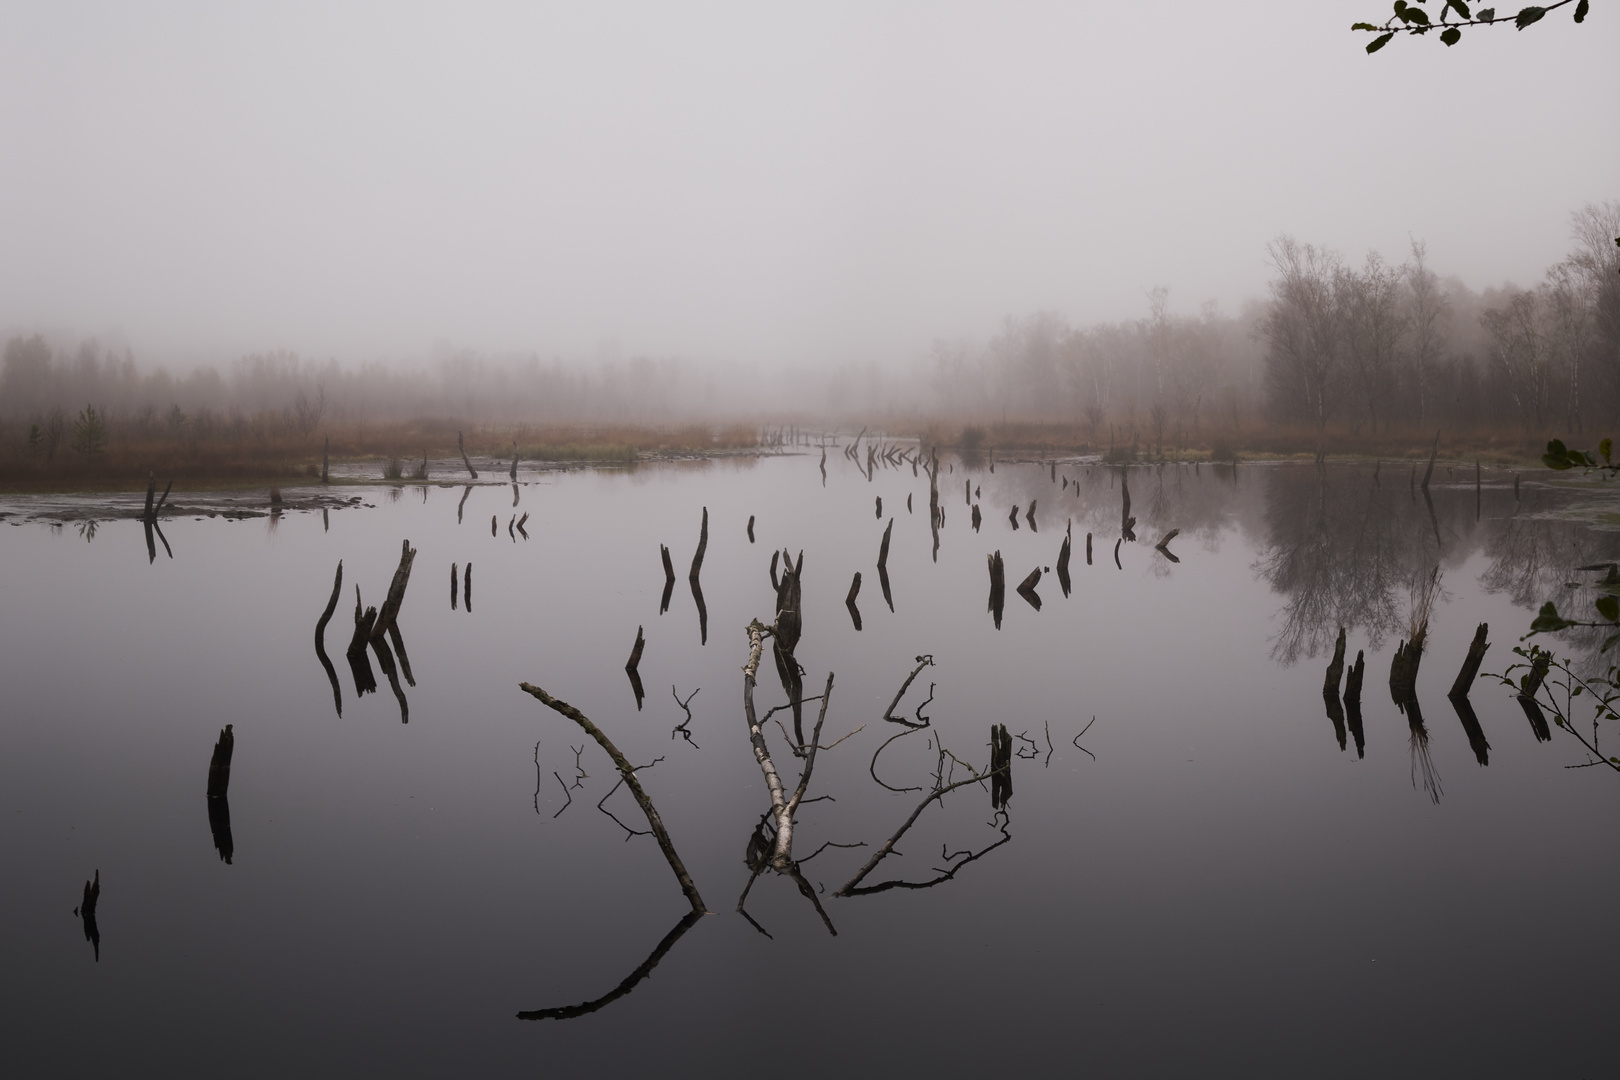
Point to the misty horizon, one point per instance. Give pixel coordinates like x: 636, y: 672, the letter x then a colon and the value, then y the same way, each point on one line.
x: 727, y: 187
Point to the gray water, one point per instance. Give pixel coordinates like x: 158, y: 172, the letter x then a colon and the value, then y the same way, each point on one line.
x: 1218, y: 881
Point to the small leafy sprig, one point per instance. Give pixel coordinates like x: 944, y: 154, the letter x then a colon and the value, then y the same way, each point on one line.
x: 1602, y: 692
x: 1414, y: 19
x: 1562, y: 458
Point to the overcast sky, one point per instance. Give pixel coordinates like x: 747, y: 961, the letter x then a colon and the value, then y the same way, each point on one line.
x: 819, y: 184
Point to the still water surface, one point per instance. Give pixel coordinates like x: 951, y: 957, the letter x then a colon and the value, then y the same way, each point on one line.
x: 1218, y: 880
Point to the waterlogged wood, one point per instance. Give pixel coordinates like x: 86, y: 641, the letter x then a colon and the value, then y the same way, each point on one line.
x: 750, y: 528
x: 635, y: 652
x: 628, y: 772
x: 462, y: 447
x: 219, y: 766
x: 883, y: 548
x: 569, y: 1012
x: 1335, y: 668
x: 331, y: 606
x: 1352, y: 681
x: 396, y: 591
x: 363, y: 622
x: 1403, y: 670
x: 703, y: 546
x: 977, y: 518
x: 1088, y: 549
x: 1471, y: 662
x: 466, y: 589
x: 1429, y: 472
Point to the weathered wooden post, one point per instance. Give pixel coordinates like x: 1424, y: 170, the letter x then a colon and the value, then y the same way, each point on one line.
x: 463, y: 448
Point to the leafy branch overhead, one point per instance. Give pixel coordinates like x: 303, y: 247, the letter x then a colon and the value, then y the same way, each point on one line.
x: 1414, y: 19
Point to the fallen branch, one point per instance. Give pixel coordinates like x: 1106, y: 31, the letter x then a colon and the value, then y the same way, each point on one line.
x: 627, y: 771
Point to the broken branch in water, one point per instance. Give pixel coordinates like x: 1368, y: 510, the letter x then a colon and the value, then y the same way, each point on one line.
x: 685, y: 707
x: 940, y: 789
x: 630, y: 981
x: 628, y: 773
x: 926, y: 660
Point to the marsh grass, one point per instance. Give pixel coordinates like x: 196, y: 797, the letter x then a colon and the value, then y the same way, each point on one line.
x: 250, y: 451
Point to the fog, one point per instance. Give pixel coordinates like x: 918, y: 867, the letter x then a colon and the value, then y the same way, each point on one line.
x: 731, y: 184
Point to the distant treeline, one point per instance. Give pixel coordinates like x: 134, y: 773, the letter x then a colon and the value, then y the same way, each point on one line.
x: 1360, y: 351
x: 1366, y: 352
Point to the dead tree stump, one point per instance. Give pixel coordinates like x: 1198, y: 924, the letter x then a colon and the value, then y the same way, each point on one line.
x: 1471, y: 662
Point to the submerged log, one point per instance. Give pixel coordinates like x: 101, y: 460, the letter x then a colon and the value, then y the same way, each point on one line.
x: 750, y: 528
x: 703, y: 546
x: 455, y: 583
x: 879, y: 514
x: 669, y: 567
x: 628, y: 772
x: 219, y: 766
x: 1470, y: 665
x: 462, y: 447
x: 1029, y: 515
x: 1012, y: 518
x: 520, y: 523
x: 854, y: 589
x: 1088, y: 549
x: 466, y: 589
x: 976, y: 517
x: 883, y: 548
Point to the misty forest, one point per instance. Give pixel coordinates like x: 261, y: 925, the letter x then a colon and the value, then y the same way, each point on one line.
x: 1054, y: 543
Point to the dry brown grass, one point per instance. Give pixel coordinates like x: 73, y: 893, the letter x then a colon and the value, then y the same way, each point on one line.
x: 255, y: 453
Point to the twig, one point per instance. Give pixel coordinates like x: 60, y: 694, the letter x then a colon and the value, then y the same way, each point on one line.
x: 682, y: 728
x: 566, y: 792
x: 583, y: 775
x: 926, y: 660
x: 1080, y: 736
x: 628, y: 773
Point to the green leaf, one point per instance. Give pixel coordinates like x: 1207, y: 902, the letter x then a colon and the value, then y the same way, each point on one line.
x: 1364, y: 26
x: 1610, y: 642
x: 1461, y: 8
x: 1379, y: 42
x: 1487, y: 14
x: 1400, y: 6
x: 1528, y: 15
x: 1451, y: 36
x: 1548, y: 621
x: 1417, y: 15
x: 1605, y: 447
x: 1581, y: 9
x: 1609, y: 607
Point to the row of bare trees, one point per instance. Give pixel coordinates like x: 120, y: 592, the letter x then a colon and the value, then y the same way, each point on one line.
x: 1380, y: 345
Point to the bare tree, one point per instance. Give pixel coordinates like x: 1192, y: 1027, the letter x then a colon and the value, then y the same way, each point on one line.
x: 1425, y: 308
x: 1303, y: 329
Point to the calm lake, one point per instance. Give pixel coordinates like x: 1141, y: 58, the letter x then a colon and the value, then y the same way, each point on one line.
x: 1199, y: 869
